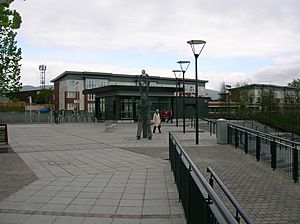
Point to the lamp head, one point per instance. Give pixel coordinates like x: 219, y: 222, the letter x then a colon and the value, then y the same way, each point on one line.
x: 197, y: 46
x: 184, y: 65
x: 177, y: 73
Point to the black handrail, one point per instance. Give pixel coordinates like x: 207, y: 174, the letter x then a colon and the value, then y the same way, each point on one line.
x: 239, y: 209
x: 212, y: 125
x: 290, y: 158
x: 199, y: 179
x: 265, y: 135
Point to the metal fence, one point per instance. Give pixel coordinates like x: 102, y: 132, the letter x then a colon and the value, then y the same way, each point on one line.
x: 200, y: 202
x: 26, y: 117
x: 280, y: 153
x: 209, y: 125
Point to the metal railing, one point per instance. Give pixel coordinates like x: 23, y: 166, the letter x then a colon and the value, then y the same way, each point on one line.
x: 282, y: 154
x: 212, y: 125
x: 209, y: 125
x: 238, y: 209
x: 27, y: 117
x: 200, y: 202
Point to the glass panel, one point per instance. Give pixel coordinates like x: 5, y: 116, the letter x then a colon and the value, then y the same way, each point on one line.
x: 154, y: 104
x: 91, y: 107
x: 71, y: 106
x: 71, y: 82
x: 101, y: 109
x: 91, y: 97
x: 71, y: 94
x: 126, y: 108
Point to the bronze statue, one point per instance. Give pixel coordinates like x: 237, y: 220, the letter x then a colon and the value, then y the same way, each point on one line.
x: 144, y: 108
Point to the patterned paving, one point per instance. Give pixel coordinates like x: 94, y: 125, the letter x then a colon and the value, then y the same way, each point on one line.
x: 84, y: 177
x: 89, y: 174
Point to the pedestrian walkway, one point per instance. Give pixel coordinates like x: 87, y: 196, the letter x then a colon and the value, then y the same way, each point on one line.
x: 86, y: 177
x: 92, y: 174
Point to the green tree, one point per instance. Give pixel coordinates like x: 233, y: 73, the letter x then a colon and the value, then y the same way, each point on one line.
x: 295, y: 83
x: 10, y: 54
x: 44, y: 96
x: 266, y: 99
x: 245, y: 97
x: 245, y: 100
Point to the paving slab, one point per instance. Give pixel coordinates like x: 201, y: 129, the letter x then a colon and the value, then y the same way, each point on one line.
x: 86, y: 173
x: 83, y: 175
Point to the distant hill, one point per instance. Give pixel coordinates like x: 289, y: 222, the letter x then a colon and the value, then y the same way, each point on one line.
x: 29, y: 88
x: 214, y: 95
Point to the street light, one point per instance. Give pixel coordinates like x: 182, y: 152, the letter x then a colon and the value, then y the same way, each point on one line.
x: 228, y: 88
x: 177, y: 74
x: 184, y: 66
x: 42, y: 68
x: 197, y: 47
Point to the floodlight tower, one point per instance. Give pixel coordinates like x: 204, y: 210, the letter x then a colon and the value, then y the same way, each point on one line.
x: 42, y: 69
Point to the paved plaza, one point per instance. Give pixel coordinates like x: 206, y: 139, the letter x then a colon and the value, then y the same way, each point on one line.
x: 87, y: 173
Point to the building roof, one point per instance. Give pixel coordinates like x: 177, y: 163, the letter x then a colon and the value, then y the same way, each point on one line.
x: 106, y: 74
x: 131, y: 90
x: 261, y: 86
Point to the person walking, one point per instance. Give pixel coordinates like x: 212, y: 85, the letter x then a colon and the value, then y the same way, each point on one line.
x: 163, y: 115
x: 156, y: 121
x: 170, y: 116
x: 55, y: 114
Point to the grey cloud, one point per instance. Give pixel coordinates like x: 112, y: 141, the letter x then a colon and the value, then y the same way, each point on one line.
x: 282, y: 72
x: 232, y: 28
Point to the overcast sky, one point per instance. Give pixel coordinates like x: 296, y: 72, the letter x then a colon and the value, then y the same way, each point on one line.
x: 257, y: 41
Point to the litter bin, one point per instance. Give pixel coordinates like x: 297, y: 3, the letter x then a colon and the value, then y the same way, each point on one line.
x: 222, y: 131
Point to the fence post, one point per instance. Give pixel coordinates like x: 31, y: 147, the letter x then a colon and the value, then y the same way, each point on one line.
x: 214, y: 128
x: 170, y: 153
x: 257, y: 148
x: 179, y: 177
x: 188, y: 196
x: 246, y: 142
x: 295, y: 164
x: 236, y: 138
x: 174, y: 167
x: 229, y: 137
x: 273, y: 154
x: 211, y: 183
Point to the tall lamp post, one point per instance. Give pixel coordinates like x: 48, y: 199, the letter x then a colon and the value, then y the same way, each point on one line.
x: 228, y: 88
x: 177, y: 74
x: 184, y: 66
x: 197, y: 47
x: 42, y: 68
